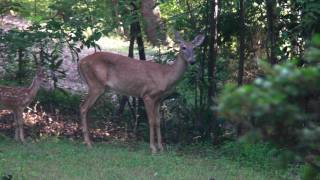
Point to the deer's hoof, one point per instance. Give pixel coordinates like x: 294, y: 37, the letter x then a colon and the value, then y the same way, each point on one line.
x: 16, y: 138
x: 89, y: 145
x: 160, y: 148
x: 153, y: 149
x: 153, y: 152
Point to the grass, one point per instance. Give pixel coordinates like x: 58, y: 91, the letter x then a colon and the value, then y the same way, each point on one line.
x: 65, y: 159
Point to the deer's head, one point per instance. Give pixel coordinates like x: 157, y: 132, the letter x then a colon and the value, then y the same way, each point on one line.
x: 187, y: 48
x: 43, y: 78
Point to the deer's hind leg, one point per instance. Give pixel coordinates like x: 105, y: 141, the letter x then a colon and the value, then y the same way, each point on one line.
x: 150, y: 108
x: 95, y: 89
x: 89, y: 101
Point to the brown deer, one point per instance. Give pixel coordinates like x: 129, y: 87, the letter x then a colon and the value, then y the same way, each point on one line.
x: 150, y: 81
x: 18, y: 98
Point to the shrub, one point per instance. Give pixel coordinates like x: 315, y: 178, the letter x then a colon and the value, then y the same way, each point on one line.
x: 66, y: 102
x: 283, y: 106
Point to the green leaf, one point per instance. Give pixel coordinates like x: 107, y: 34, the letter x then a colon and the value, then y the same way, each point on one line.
x: 58, y: 64
x: 316, y: 40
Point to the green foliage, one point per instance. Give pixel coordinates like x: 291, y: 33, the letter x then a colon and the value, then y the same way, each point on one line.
x: 282, y: 106
x: 309, y: 172
x: 67, y: 103
x: 180, y: 119
x: 272, y: 97
x: 103, y: 110
x: 68, y: 23
x: 311, y: 17
x: 6, y: 6
x: 16, y: 46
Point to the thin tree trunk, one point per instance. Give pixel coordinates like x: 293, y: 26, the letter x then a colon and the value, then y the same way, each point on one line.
x: 271, y: 46
x: 35, y: 7
x: 241, y: 38
x: 142, y: 56
x: 212, y: 125
x: 213, y: 50
x: 20, y: 72
x: 153, y: 26
x: 205, y: 45
x: 192, y: 18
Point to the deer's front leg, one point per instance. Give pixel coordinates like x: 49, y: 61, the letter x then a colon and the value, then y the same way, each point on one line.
x: 150, y: 107
x: 16, y: 128
x: 20, y: 124
x: 158, y: 126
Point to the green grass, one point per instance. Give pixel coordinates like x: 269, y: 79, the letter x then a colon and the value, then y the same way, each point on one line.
x: 65, y: 159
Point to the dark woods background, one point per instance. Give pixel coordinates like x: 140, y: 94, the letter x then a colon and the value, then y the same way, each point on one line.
x: 257, y: 73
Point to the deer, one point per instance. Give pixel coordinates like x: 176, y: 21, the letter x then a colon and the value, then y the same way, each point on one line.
x: 18, y: 98
x: 127, y: 76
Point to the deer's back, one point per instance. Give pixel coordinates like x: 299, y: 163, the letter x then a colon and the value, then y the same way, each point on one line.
x: 11, y: 97
x: 123, y: 74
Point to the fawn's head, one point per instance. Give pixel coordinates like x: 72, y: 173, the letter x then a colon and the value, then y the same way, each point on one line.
x: 187, y: 48
x: 43, y: 78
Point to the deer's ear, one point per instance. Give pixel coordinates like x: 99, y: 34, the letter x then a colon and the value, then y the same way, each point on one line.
x: 178, y: 38
x: 198, y: 40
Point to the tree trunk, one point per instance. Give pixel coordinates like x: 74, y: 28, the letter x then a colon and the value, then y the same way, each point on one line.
x: 241, y: 38
x: 213, y: 50
x: 271, y: 39
x: 212, y: 125
x: 35, y: 7
x: 21, y: 65
x: 153, y: 26
x: 142, y: 56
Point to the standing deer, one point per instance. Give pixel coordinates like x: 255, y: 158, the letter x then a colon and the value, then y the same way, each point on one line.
x: 150, y: 81
x: 18, y: 98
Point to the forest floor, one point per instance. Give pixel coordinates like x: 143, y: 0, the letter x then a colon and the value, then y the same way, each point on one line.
x: 52, y: 158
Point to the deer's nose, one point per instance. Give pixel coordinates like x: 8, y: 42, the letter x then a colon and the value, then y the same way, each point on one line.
x: 192, y: 59
x: 192, y: 62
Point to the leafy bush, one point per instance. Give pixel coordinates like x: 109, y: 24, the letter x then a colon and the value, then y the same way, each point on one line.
x: 67, y: 103
x: 282, y: 107
x: 276, y: 103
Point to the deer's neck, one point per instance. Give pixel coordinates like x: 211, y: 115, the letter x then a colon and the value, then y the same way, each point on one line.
x: 179, y: 67
x: 34, y: 87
